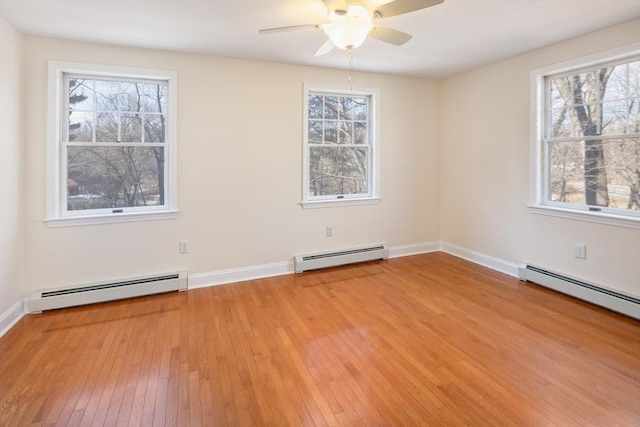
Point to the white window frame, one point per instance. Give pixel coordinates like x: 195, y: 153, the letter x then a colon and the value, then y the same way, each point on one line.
x: 372, y: 197
x: 57, y: 215
x: 538, y: 183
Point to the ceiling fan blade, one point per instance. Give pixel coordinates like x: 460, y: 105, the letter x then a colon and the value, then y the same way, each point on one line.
x: 325, y: 48
x: 389, y: 35
x: 398, y: 7
x: 289, y: 28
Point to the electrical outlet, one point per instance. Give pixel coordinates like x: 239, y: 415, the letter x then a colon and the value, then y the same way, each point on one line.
x: 329, y: 231
x: 580, y: 251
x: 184, y: 246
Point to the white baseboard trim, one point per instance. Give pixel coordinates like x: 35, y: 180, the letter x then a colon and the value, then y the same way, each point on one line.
x: 413, y: 249
x: 481, y: 259
x: 11, y: 316
x: 222, y: 277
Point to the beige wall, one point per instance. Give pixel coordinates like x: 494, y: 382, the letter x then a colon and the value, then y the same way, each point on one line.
x: 11, y: 167
x: 485, y: 172
x: 240, y: 150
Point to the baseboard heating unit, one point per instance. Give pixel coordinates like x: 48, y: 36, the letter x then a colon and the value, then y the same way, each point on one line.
x: 108, y: 291
x: 612, y: 300
x: 341, y: 257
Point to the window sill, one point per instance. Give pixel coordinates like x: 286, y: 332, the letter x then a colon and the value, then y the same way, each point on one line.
x: 109, y: 219
x: 340, y: 202
x: 597, y: 217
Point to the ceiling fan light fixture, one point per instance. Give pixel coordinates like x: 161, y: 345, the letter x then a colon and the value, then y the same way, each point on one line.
x: 348, y: 31
x: 350, y: 25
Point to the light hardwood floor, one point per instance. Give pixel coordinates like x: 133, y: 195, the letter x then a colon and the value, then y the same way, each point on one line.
x: 425, y: 340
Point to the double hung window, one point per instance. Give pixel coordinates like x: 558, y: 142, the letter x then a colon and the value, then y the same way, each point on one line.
x: 587, y: 137
x: 112, y: 148
x: 340, y: 147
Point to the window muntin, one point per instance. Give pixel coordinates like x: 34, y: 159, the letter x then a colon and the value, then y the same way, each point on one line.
x: 589, y: 146
x: 339, y: 145
x: 112, y: 150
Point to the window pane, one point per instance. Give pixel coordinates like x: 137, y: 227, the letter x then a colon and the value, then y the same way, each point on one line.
x: 566, y: 172
x: 622, y: 165
x: 575, y: 107
x: 359, y: 109
x: 315, y: 106
x: 617, y: 84
x: 562, y: 93
x: 80, y: 127
x: 601, y: 102
x: 561, y: 123
x: 80, y: 94
x: 634, y: 76
x: 337, y: 171
x: 331, y: 107
x: 633, y: 103
x: 113, y: 177
x: 315, y: 131
x: 586, y: 120
x: 131, y: 128
x: 557, y: 88
x: 582, y: 88
x: 154, y: 97
x: 107, y: 127
x: 634, y: 80
x: 633, y: 125
x: 360, y: 133
x: 154, y: 128
x: 346, y: 111
x: 107, y: 95
x: 129, y: 96
x: 331, y: 132
x: 614, y: 117
x: 346, y: 133
x: 598, y: 173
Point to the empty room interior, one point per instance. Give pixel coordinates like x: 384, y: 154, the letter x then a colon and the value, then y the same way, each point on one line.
x: 320, y: 212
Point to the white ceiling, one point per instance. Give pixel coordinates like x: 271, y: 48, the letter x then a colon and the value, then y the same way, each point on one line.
x: 450, y: 38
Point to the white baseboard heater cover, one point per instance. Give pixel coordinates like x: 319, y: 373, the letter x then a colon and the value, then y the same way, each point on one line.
x: 341, y: 257
x: 108, y: 291
x: 612, y: 300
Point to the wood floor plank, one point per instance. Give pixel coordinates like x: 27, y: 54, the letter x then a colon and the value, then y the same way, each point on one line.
x: 422, y: 340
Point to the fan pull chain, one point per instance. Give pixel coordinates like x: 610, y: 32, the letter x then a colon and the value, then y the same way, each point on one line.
x: 351, y: 69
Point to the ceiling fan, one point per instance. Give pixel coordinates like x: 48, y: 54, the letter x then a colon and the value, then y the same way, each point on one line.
x: 350, y: 22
